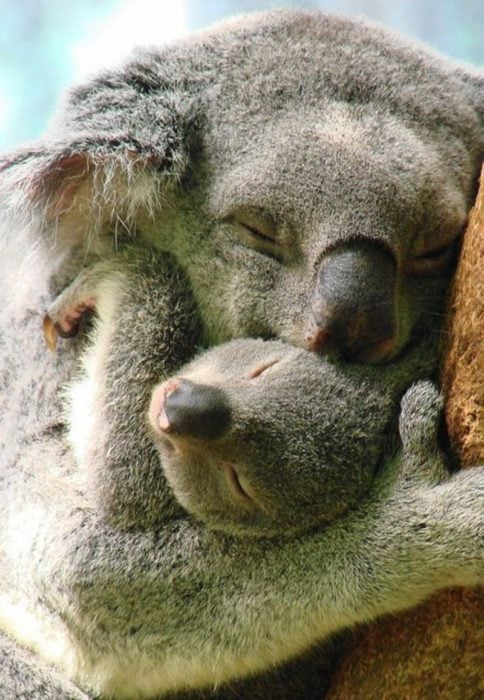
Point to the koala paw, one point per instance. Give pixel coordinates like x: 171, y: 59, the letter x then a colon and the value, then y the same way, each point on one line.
x: 419, y: 417
x: 65, y: 322
x: 420, y: 414
x: 66, y: 312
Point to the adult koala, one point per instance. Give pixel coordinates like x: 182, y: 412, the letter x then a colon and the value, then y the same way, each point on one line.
x: 310, y: 173
x: 283, y: 184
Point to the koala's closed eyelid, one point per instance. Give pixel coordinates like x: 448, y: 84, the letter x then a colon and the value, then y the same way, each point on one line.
x: 261, y: 369
x: 256, y: 222
x: 257, y: 234
x: 432, y: 261
x: 262, y: 239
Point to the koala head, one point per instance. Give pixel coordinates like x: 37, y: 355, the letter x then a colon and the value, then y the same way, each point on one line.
x: 261, y: 438
x: 310, y: 173
x: 340, y: 238
x: 330, y: 186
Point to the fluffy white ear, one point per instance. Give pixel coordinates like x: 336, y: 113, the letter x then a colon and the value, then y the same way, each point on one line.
x: 78, y: 193
x: 118, y: 142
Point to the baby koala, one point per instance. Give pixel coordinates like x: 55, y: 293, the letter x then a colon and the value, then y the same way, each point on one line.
x: 254, y: 437
x: 257, y: 437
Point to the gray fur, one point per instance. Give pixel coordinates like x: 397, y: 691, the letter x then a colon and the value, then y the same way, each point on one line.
x: 135, y: 612
x: 148, y: 327
x: 24, y: 676
x: 332, y: 130
x: 296, y: 431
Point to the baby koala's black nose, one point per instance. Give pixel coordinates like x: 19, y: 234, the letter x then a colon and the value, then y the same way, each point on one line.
x: 193, y: 410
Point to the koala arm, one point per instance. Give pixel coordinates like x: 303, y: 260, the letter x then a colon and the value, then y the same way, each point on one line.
x: 145, y: 328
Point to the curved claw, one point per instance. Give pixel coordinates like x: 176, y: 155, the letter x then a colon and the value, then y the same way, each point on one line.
x: 52, y: 331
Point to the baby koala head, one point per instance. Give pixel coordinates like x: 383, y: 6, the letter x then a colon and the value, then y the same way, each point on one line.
x: 261, y: 438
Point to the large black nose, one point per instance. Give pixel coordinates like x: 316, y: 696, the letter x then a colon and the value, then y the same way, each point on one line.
x: 354, y: 307
x: 194, y: 410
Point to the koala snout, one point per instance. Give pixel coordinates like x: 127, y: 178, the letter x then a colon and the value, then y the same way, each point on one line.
x: 354, y: 309
x: 181, y: 407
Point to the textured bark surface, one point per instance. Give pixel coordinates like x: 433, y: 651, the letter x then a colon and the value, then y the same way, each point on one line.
x: 463, y: 368
x: 436, y: 651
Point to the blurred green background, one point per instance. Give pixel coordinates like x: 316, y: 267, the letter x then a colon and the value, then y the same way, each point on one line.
x: 47, y: 44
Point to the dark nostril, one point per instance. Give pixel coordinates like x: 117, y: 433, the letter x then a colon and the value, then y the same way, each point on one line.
x: 195, y: 410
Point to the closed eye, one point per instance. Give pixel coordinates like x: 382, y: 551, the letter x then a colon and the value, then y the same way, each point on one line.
x: 432, y: 261
x: 261, y: 369
x: 257, y: 232
x: 263, y: 237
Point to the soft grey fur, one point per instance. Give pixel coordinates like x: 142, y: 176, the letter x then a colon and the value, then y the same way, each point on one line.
x: 324, y: 131
x: 305, y: 435
x: 24, y: 676
x: 136, y: 612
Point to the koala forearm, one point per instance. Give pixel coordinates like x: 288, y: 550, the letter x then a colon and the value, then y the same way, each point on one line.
x: 146, y: 327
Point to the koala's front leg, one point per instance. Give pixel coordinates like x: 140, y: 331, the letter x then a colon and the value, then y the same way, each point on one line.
x: 145, y: 327
x: 66, y: 312
x: 422, y: 531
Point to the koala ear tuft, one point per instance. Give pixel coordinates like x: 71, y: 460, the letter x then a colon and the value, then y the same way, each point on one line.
x: 119, y: 142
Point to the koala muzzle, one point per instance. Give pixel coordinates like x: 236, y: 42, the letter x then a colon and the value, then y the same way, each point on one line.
x: 181, y: 407
x: 354, y: 309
